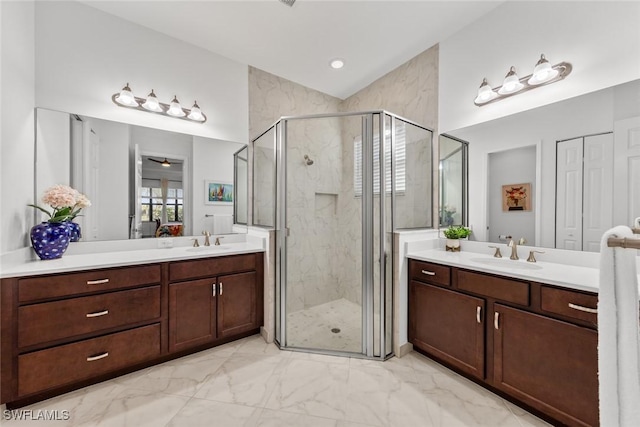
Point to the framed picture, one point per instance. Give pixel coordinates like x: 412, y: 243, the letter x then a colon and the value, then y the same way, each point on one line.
x: 516, y: 197
x: 218, y: 192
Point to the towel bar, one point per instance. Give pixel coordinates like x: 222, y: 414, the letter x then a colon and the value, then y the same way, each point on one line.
x: 624, y: 242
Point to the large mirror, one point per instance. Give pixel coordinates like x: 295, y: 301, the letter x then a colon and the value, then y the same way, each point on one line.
x: 559, y: 175
x: 142, y: 182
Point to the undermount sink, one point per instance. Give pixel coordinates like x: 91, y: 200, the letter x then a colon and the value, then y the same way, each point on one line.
x: 507, y: 263
x: 208, y: 248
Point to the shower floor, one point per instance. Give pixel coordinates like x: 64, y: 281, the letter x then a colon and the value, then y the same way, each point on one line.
x: 312, y: 327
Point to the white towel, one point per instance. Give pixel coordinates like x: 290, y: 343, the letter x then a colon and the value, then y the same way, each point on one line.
x: 618, y: 334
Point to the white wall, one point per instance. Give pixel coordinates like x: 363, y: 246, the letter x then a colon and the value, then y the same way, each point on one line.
x: 212, y: 160
x: 84, y: 56
x: 17, y: 99
x: 600, y: 39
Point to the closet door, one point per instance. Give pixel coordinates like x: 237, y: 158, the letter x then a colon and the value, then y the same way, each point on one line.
x: 597, y: 190
x: 627, y: 170
x: 569, y: 194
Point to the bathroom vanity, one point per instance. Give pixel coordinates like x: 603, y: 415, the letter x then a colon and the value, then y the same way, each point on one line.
x: 64, y: 330
x: 532, y: 342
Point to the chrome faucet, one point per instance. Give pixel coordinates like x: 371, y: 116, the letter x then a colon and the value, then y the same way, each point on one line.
x: 206, y: 238
x: 217, y: 243
x: 195, y: 243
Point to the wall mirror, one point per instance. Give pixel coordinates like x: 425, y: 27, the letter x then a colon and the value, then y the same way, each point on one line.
x: 142, y: 182
x: 573, y: 166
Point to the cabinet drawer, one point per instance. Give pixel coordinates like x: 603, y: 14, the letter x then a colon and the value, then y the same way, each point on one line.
x: 499, y: 288
x: 569, y: 303
x: 69, y: 363
x: 430, y: 273
x: 49, y: 321
x: 184, y: 270
x: 62, y: 285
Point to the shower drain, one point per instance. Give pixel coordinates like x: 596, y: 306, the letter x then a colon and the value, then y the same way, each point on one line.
x: 335, y: 330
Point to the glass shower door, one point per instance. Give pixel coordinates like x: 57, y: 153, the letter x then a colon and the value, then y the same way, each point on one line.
x: 323, y: 220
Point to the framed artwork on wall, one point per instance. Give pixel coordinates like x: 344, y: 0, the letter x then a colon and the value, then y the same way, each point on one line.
x: 218, y: 192
x: 516, y: 197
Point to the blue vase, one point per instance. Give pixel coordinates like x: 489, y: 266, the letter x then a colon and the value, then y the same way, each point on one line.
x: 50, y: 239
x: 75, y: 233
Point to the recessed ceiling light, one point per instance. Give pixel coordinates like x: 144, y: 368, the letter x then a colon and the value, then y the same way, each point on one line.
x: 337, y: 63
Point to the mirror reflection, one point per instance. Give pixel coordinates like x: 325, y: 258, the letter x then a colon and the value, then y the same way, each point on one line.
x: 453, y: 181
x: 574, y: 165
x: 142, y: 182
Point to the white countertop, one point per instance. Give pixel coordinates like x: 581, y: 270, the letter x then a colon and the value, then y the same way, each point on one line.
x: 566, y: 275
x: 95, y: 260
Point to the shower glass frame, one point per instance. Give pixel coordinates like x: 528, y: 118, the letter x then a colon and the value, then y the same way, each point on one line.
x: 383, y: 122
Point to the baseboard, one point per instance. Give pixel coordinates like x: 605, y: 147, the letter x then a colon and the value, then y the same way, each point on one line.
x: 405, y: 349
x: 266, y: 335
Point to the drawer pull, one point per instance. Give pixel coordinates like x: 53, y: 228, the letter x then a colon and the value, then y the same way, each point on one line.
x: 479, y: 314
x: 97, y: 282
x: 429, y: 273
x: 496, y: 320
x: 213, y: 289
x: 97, y: 357
x: 220, y: 288
x: 585, y: 309
x: 98, y: 313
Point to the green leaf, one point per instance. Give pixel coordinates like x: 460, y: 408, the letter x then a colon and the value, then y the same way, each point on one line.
x: 43, y: 210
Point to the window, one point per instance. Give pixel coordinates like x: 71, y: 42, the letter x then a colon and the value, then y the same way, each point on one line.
x: 400, y: 162
x: 152, y: 204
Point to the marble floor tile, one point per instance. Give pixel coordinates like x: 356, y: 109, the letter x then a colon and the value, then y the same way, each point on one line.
x: 381, y: 397
x: 312, y: 388
x: 205, y: 413
x: 270, y: 418
x: 180, y: 376
x: 244, y: 379
x: 250, y: 383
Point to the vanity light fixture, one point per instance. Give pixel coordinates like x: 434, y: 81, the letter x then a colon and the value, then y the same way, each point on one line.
x: 151, y: 105
x: 543, y: 74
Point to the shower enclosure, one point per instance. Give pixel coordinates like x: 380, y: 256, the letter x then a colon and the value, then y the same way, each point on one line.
x: 335, y: 187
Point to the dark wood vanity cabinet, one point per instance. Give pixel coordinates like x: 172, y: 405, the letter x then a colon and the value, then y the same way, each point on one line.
x: 448, y: 325
x: 201, y: 311
x: 64, y: 331
x: 532, y: 343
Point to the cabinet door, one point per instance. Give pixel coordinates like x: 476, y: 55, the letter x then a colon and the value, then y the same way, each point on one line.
x: 548, y: 364
x: 449, y: 325
x: 237, y: 311
x: 192, y: 313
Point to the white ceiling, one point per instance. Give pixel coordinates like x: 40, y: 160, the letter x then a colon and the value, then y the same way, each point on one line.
x: 297, y: 43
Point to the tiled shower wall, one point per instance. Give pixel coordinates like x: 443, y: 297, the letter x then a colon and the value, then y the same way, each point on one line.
x: 325, y: 214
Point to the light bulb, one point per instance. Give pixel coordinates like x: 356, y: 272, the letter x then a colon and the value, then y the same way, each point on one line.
x: 511, y: 83
x: 126, y: 97
x: 485, y: 93
x: 542, y: 72
x: 152, y: 103
x: 337, y: 63
x: 195, y: 113
x: 175, y: 109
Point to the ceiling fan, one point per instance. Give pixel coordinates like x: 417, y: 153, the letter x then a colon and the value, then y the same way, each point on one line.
x: 165, y: 163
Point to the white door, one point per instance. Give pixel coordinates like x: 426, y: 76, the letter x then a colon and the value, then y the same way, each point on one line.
x: 569, y: 195
x: 136, y: 222
x: 91, y: 154
x: 626, y: 178
x: 597, y: 203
